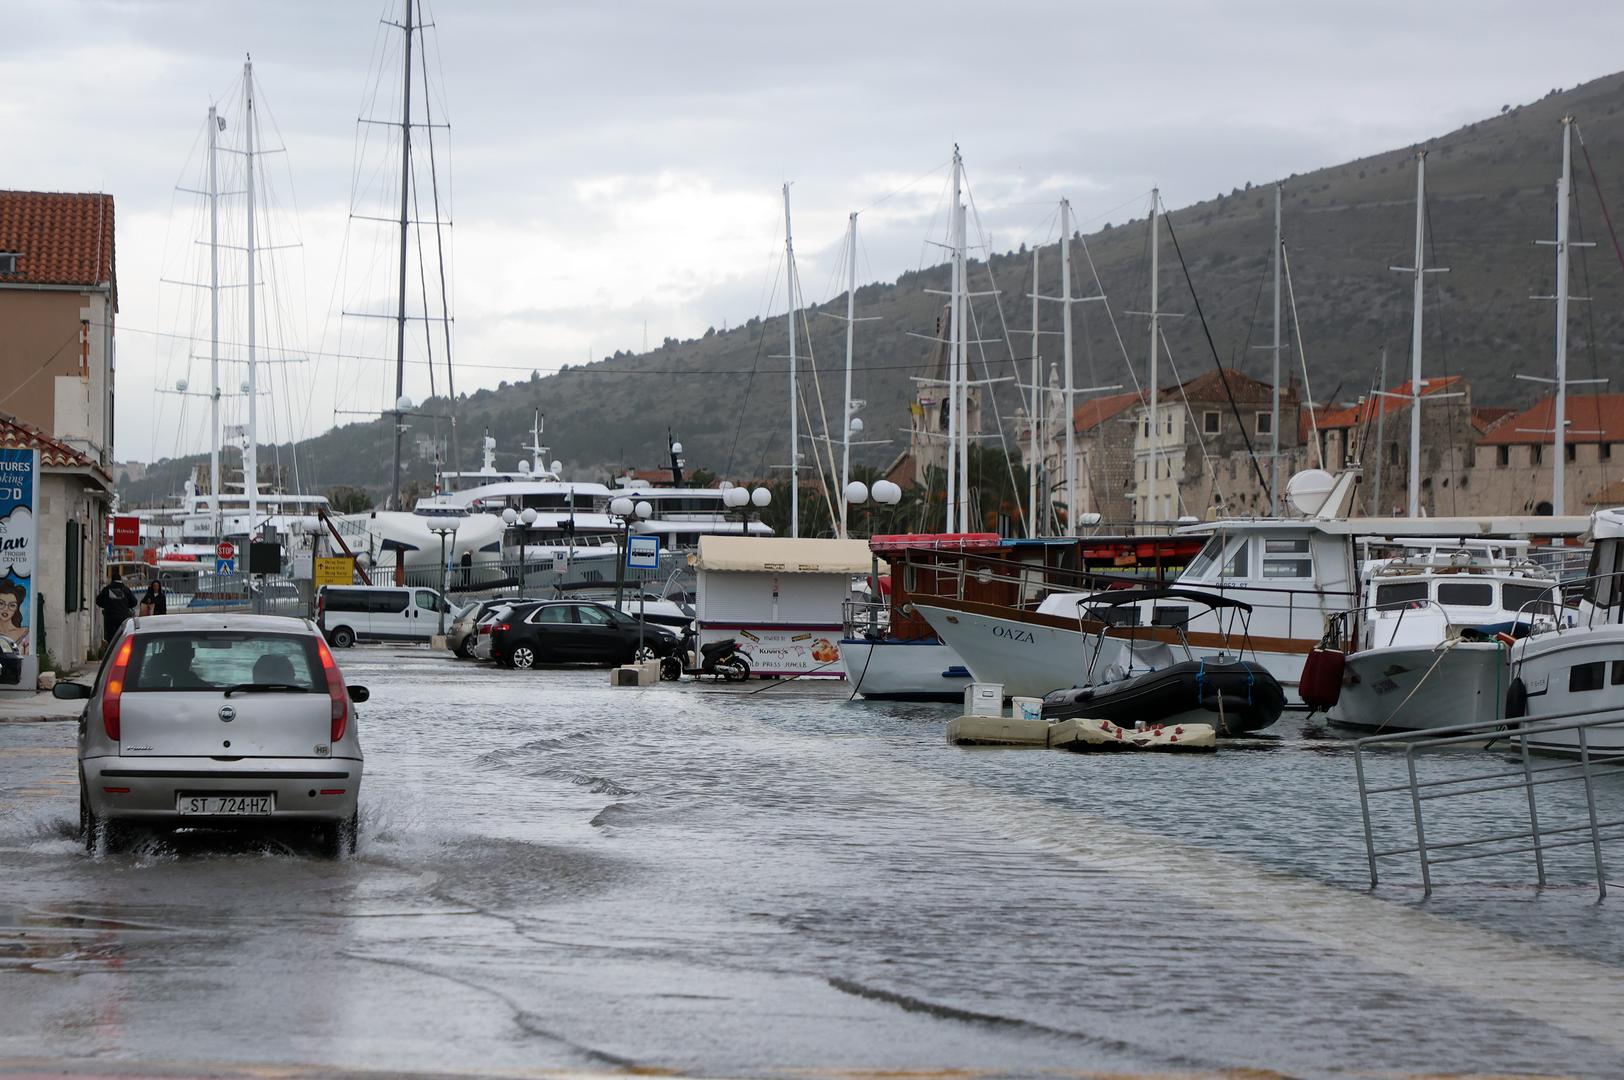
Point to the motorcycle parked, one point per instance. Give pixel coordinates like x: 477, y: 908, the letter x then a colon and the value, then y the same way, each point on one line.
x: 718, y: 659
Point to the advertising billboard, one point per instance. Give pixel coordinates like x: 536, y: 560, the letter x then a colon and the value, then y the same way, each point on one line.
x: 19, y: 544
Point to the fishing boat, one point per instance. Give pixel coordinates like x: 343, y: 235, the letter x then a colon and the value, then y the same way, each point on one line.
x: 1428, y: 646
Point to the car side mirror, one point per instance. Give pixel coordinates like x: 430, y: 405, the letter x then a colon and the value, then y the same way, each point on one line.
x: 358, y: 694
x: 71, y: 691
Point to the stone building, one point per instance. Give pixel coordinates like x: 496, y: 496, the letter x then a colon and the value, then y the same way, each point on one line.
x: 1212, y: 452
x: 1374, y: 433
x: 1513, y: 471
x: 58, y: 303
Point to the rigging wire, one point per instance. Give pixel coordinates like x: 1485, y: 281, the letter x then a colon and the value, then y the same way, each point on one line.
x: 1452, y: 404
x: 1222, y: 376
x: 1302, y: 357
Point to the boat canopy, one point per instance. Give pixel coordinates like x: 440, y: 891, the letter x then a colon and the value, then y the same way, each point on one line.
x: 1607, y: 524
x: 1118, y: 597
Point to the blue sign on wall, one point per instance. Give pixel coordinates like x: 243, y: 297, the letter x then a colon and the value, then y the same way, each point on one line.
x: 19, y: 537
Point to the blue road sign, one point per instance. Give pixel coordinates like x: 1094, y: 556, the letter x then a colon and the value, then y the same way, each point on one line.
x: 225, y: 566
x: 643, y: 553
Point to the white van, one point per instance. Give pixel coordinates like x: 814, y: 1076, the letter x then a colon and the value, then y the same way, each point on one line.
x: 351, y: 613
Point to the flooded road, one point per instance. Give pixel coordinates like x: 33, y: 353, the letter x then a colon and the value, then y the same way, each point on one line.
x: 556, y: 876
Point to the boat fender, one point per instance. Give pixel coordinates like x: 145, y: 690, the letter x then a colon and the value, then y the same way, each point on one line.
x: 1516, y: 699
x: 1320, y: 684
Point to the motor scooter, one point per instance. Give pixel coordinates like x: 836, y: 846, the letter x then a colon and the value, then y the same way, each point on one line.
x: 718, y: 659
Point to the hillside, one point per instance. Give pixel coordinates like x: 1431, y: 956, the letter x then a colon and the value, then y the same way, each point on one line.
x: 1491, y: 194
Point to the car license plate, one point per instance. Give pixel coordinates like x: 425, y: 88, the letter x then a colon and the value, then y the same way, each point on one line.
x: 230, y: 805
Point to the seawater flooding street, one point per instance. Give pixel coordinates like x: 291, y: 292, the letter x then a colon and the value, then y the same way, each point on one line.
x: 770, y: 879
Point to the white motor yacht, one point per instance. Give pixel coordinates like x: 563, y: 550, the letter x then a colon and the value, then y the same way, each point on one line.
x: 1576, y: 666
x: 1430, y: 640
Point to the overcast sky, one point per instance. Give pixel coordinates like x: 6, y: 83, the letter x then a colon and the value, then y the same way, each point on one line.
x: 612, y: 164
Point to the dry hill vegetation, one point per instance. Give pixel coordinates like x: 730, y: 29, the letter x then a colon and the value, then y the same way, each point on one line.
x: 1491, y: 191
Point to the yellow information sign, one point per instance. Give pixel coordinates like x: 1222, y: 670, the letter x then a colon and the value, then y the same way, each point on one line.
x: 335, y: 571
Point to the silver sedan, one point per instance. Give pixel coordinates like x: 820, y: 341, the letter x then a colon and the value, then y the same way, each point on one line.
x: 218, y: 721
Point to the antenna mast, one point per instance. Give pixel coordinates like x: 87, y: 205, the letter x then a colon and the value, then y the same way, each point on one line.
x: 1155, y: 329
x: 1274, y: 396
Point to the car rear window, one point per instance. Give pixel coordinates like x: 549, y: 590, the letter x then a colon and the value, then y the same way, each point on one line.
x: 218, y: 659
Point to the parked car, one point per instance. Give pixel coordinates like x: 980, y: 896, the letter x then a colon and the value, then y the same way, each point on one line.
x: 350, y: 613
x: 574, y: 632
x: 218, y: 721
x: 461, y: 637
x: 482, y: 631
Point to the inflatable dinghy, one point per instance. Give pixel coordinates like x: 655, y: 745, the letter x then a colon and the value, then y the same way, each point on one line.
x: 1234, y: 696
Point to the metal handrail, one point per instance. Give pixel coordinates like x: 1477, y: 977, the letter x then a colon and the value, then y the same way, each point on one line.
x: 1413, y: 742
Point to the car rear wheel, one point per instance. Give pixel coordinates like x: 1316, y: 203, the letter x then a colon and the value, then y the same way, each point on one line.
x: 524, y: 658
x: 343, y: 637
x: 88, y: 822
x: 337, y: 838
x: 466, y: 649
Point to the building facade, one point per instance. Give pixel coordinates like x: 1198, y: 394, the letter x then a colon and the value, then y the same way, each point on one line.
x: 1514, y: 462
x: 58, y: 306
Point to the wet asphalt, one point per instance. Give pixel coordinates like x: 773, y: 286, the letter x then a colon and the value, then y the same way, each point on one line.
x: 559, y: 877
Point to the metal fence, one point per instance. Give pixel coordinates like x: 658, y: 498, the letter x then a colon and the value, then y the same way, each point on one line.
x: 1550, y: 821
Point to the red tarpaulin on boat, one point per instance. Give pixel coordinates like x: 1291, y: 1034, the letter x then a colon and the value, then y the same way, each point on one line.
x: 937, y: 541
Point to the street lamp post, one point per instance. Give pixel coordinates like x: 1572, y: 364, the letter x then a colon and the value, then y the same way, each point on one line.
x: 884, y: 493
x: 627, y: 511
x: 444, y: 530
x: 742, y: 499
x: 512, y: 518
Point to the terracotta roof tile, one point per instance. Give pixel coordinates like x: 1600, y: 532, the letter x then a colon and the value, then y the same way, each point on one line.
x: 60, y: 238
x: 1096, y: 411
x: 54, y: 453
x: 1367, y: 410
x: 1592, y: 418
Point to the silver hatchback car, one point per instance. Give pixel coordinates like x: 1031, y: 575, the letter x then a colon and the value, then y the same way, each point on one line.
x: 218, y: 721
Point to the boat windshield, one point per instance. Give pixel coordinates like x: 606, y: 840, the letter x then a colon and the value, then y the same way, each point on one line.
x: 1466, y: 593
x: 1201, y: 566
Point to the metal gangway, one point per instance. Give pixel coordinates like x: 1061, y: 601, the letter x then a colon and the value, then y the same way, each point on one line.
x: 1530, y: 771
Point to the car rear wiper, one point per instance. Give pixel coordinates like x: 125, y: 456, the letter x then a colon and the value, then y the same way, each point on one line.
x: 267, y: 688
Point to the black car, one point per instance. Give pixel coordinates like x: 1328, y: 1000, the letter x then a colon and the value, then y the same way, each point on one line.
x: 574, y: 632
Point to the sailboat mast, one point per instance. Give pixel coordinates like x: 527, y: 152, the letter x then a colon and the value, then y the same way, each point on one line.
x: 1155, y: 290
x: 955, y: 331
x: 405, y: 184
x: 1563, y: 193
x: 1032, y: 517
x: 1415, y: 333
x: 1274, y: 396
x: 965, y: 497
x: 250, y: 458
x: 1380, y: 402
x: 851, y: 324
x: 794, y: 418
x: 1065, y: 348
x: 214, y: 322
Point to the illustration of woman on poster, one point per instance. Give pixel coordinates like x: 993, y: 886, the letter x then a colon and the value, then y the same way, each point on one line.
x: 13, y: 613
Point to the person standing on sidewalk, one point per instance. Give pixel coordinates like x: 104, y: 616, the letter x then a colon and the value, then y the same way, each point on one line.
x: 117, y: 603
x: 155, y: 601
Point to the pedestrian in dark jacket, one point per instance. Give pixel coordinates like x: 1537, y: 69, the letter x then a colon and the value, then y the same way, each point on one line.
x: 117, y: 603
x: 155, y: 601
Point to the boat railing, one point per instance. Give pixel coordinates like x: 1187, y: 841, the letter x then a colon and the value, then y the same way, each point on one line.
x: 1542, y: 834
x: 865, y: 618
x: 1570, y: 592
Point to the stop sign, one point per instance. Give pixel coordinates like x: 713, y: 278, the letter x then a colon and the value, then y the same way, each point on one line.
x: 226, y: 550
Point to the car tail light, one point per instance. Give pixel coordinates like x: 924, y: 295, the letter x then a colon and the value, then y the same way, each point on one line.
x: 115, y: 688
x: 502, y: 626
x: 335, y: 690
